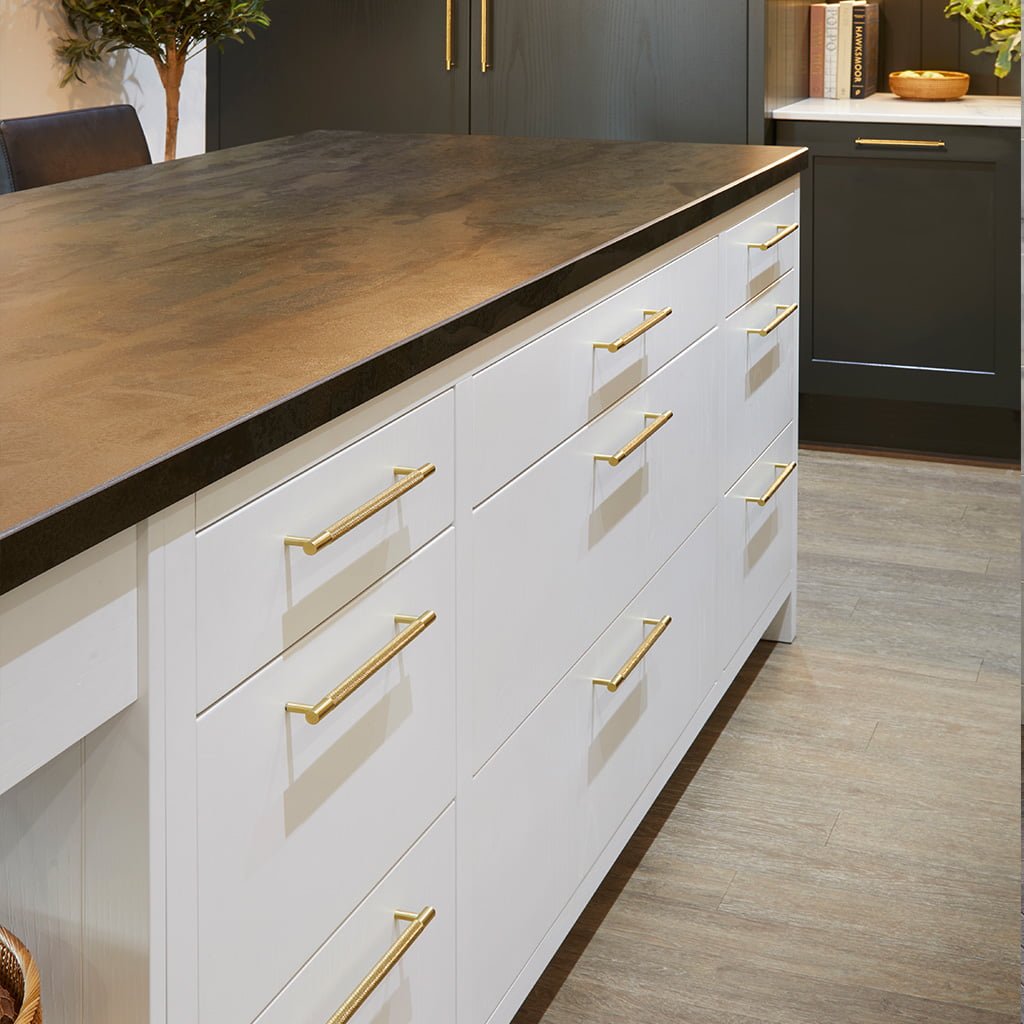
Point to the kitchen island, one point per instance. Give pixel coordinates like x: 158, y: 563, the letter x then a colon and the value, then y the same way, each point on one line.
x: 481, y: 447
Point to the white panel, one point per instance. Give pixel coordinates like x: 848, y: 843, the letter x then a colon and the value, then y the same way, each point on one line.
x: 256, y: 597
x: 298, y: 821
x: 68, y: 654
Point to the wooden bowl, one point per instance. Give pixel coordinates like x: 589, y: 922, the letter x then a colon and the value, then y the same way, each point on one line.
x: 949, y: 85
x: 20, y: 976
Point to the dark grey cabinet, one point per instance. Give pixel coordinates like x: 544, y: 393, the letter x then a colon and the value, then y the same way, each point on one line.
x: 910, y: 282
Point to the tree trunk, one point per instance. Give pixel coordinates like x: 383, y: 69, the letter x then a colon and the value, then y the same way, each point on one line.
x: 171, y: 73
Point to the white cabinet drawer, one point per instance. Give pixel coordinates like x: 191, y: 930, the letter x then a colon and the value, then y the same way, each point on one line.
x: 530, y: 401
x: 749, y: 269
x: 256, y: 597
x: 421, y: 985
x: 543, y: 808
x: 68, y: 654
x: 298, y: 821
x: 760, y: 374
x: 758, y: 543
x: 560, y: 551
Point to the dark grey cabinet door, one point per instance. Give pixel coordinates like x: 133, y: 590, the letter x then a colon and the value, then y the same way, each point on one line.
x: 612, y: 69
x: 372, y: 65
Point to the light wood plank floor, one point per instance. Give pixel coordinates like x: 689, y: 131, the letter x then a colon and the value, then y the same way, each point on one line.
x: 841, y: 844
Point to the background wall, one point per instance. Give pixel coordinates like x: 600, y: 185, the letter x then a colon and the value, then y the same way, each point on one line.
x: 30, y: 73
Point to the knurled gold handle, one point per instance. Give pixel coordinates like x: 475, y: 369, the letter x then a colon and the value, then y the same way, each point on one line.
x: 903, y: 143
x: 787, y: 470
x: 484, y: 31
x: 785, y: 230
x: 659, y: 418
x: 410, y: 478
x: 449, y: 35
x: 787, y: 312
x: 652, y: 317
x: 315, y: 713
x: 382, y: 968
x: 660, y: 625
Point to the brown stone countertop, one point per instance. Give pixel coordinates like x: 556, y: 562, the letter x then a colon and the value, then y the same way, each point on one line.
x: 162, y: 327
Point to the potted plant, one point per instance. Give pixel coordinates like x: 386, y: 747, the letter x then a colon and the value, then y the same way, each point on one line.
x: 168, y: 31
x: 995, y: 20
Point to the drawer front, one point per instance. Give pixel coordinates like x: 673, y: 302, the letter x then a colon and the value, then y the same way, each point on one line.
x: 298, y: 821
x: 421, y: 985
x: 748, y: 270
x: 68, y: 654
x: 758, y: 544
x: 544, y: 807
x: 530, y: 401
x: 256, y: 597
x: 564, y: 547
x: 760, y: 374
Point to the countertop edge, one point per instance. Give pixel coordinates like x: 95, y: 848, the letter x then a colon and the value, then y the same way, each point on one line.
x: 936, y: 113
x: 34, y: 546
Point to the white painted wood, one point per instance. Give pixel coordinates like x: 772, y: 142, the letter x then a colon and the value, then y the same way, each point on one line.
x: 746, y: 271
x: 758, y: 550
x: 297, y: 822
x: 421, y: 986
x: 759, y: 376
x: 559, y: 552
x: 255, y: 597
x: 526, y: 404
x: 68, y: 654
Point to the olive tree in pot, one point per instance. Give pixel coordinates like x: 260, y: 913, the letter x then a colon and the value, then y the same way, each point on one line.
x: 168, y: 31
x: 998, y: 21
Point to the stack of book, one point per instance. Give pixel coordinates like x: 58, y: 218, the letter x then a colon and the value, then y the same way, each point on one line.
x: 844, y: 50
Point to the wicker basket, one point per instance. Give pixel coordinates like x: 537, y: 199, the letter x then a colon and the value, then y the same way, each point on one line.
x: 19, y: 974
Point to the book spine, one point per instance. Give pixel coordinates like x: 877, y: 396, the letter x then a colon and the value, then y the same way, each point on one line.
x: 843, y: 50
x: 831, y: 43
x: 858, y: 52
x: 816, y: 86
x: 871, y: 51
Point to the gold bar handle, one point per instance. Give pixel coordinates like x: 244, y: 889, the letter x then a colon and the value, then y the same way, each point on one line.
x: 316, y: 713
x: 484, y: 30
x: 660, y: 625
x: 659, y: 418
x: 785, y: 230
x: 410, y: 478
x: 787, y: 312
x: 652, y: 317
x: 787, y: 470
x: 903, y: 143
x: 449, y: 35
x: 382, y: 968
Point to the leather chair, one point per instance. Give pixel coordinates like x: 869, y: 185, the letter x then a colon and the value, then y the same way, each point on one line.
x: 49, y: 148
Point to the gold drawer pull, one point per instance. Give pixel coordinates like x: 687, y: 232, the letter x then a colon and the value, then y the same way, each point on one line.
x: 485, y: 61
x: 787, y: 469
x: 315, y: 713
x: 653, y: 317
x: 660, y: 419
x: 382, y: 968
x: 410, y: 478
x: 449, y: 35
x: 787, y: 312
x: 903, y: 143
x: 660, y: 625
x: 785, y: 230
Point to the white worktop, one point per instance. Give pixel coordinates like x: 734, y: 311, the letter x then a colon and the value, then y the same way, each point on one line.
x: 885, y: 108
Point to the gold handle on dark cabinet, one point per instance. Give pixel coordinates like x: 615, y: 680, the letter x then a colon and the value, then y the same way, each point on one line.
x: 784, y: 231
x: 902, y: 143
x: 484, y: 31
x: 382, y: 968
x: 787, y: 470
x: 652, y: 317
x: 659, y: 418
x: 316, y: 713
x: 410, y: 478
x: 660, y: 625
x: 449, y: 35
x: 787, y: 312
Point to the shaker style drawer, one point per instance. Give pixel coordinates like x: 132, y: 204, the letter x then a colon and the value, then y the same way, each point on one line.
x: 534, y: 398
x: 297, y: 821
x: 68, y: 654
x: 761, y: 342
x: 758, y: 539
x: 403, y: 930
x: 759, y: 251
x: 573, y: 770
x: 257, y: 595
x: 564, y: 547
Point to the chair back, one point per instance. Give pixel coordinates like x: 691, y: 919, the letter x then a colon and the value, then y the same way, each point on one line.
x: 50, y: 148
